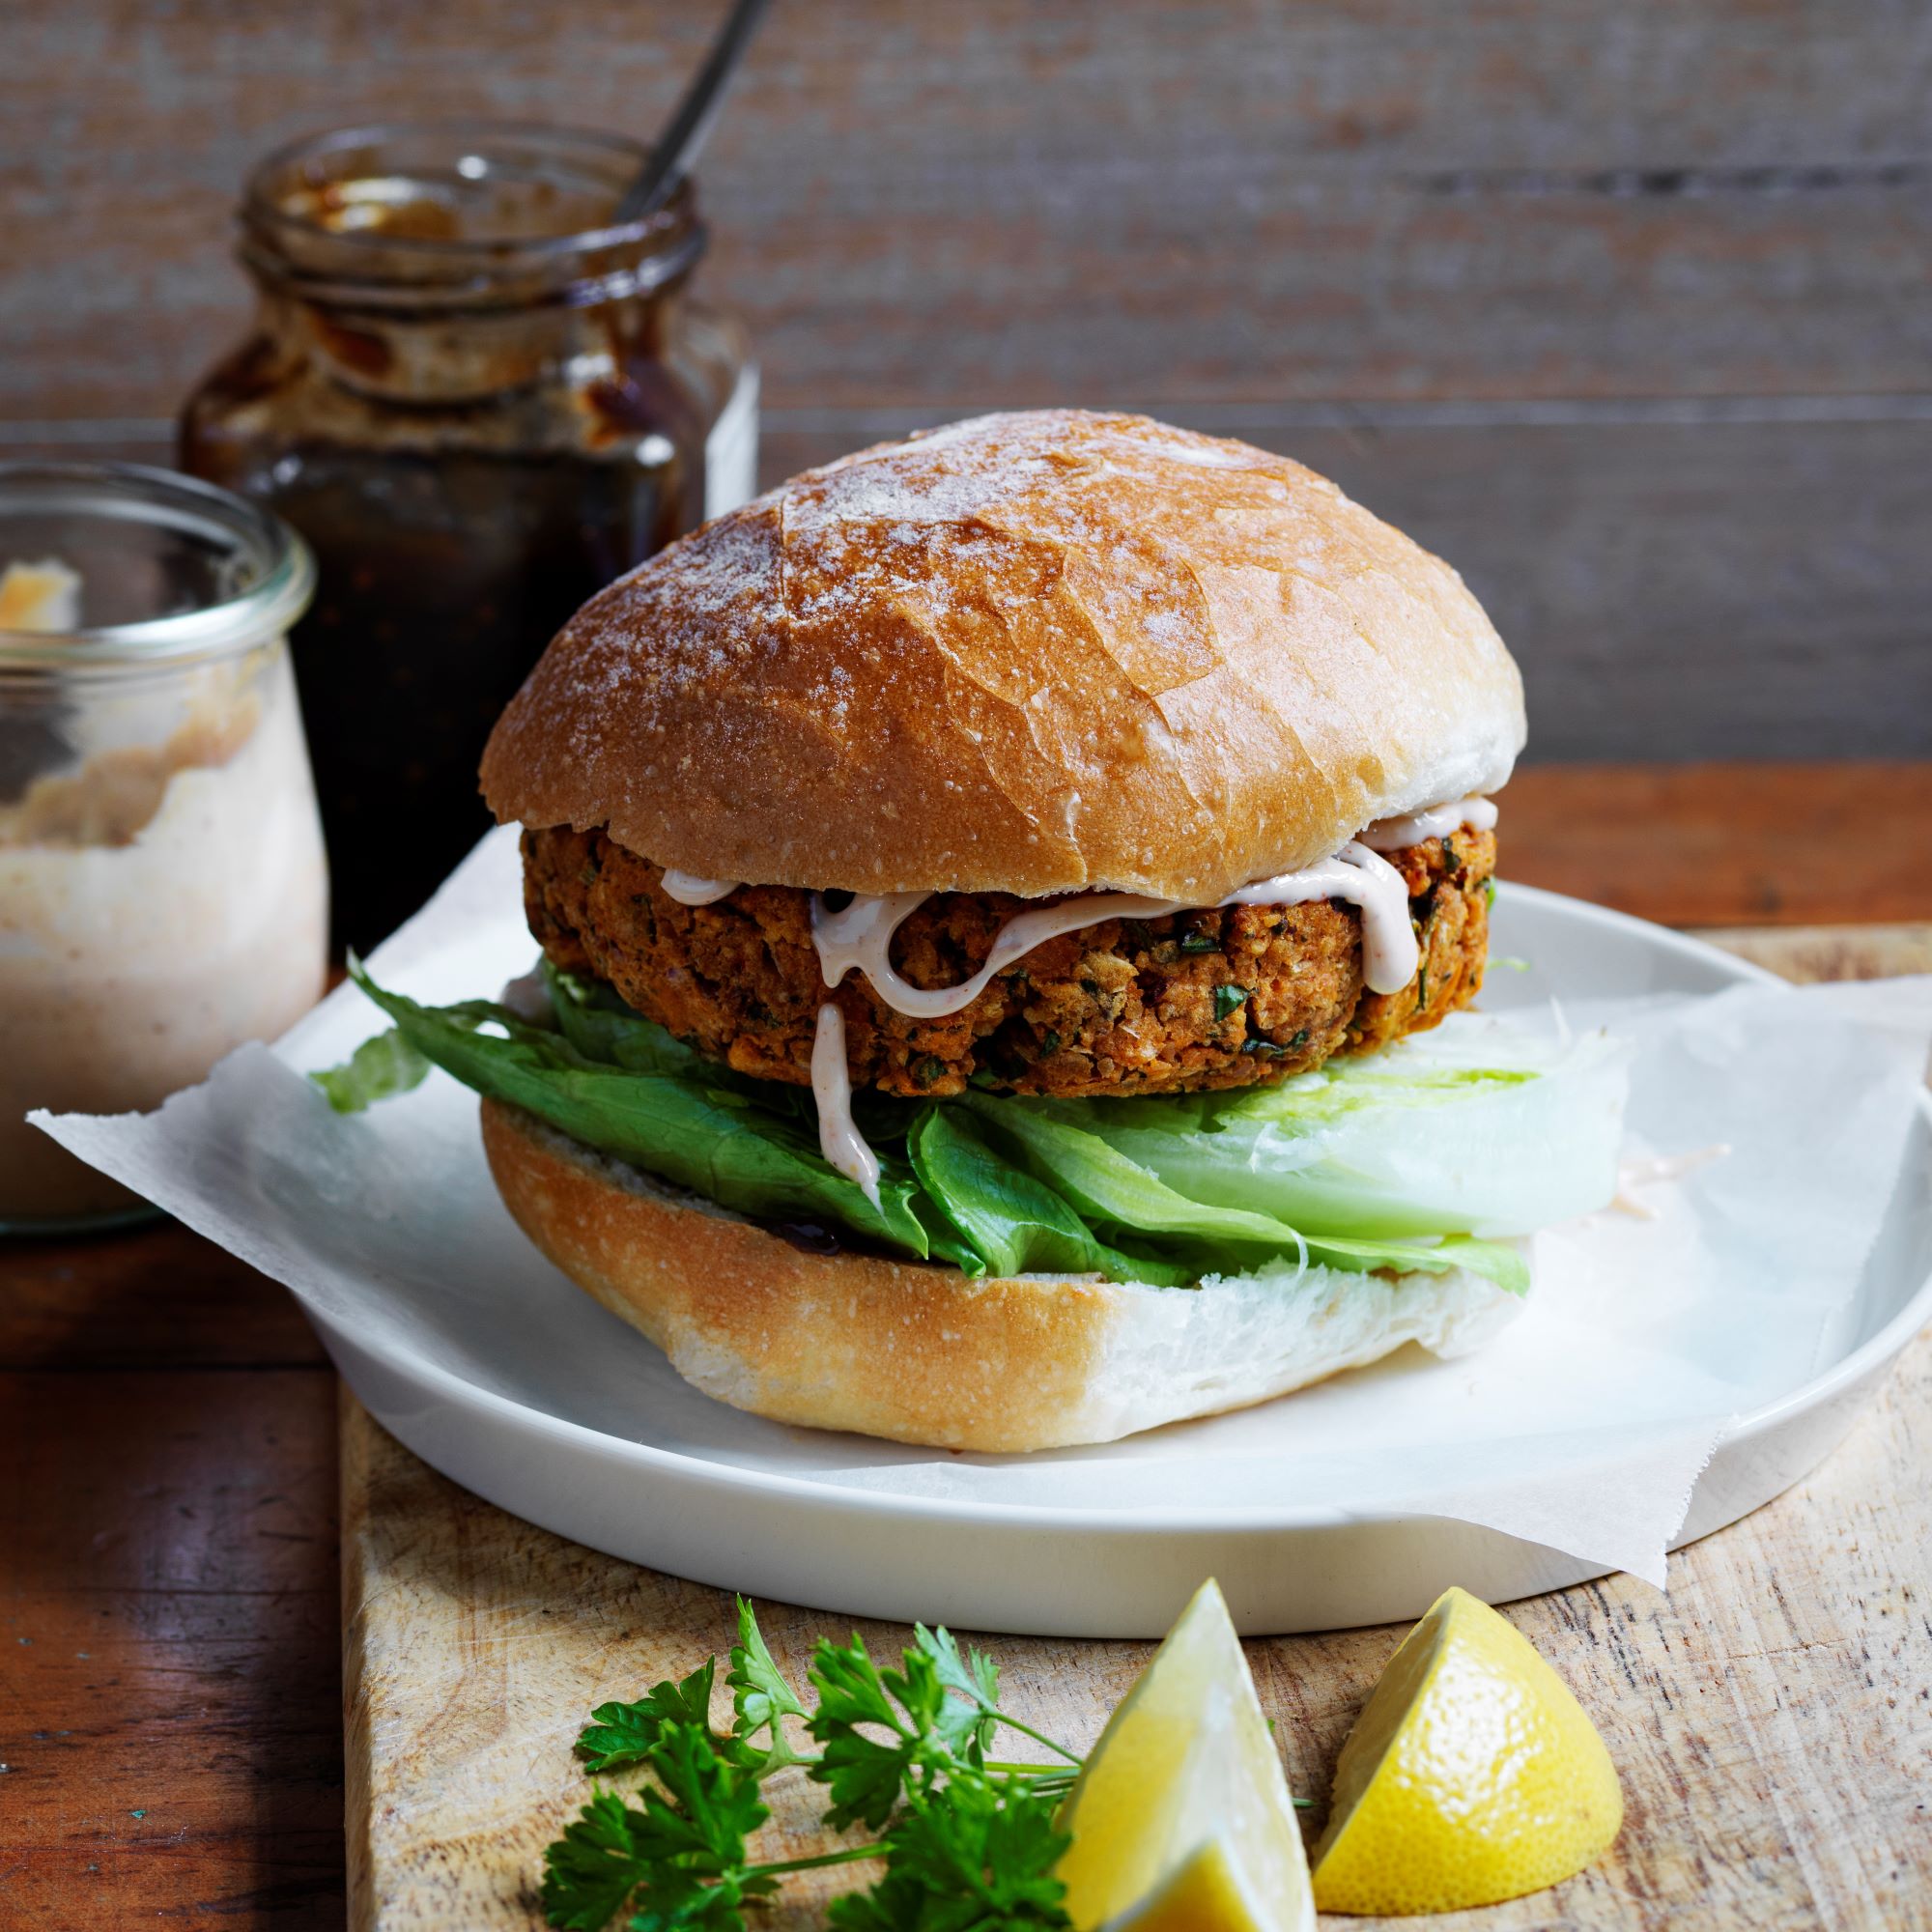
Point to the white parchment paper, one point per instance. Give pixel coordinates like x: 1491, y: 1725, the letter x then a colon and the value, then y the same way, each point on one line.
x: 1582, y: 1428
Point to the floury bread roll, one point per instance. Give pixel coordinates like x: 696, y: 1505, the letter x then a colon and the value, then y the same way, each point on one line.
x: 997, y: 895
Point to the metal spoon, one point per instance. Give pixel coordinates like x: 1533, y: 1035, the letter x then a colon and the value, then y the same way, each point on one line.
x: 676, y: 152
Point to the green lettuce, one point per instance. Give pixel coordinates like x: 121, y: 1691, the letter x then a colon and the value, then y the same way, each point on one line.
x: 1018, y: 1224
x: 1116, y: 1192
x: 1460, y: 1130
x: 701, y: 1133
x: 1171, y: 1191
x: 380, y: 1069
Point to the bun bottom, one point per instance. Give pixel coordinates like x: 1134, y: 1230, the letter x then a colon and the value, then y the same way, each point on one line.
x: 919, y: 1352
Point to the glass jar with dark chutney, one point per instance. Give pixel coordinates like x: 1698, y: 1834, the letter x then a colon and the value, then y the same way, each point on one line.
x: 480, y: 401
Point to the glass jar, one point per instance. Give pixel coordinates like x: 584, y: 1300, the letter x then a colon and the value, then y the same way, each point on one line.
x: 479, y: 402
x: 163, y: 891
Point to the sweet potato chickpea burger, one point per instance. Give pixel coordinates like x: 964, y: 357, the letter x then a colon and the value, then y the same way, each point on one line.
x: 960, y: 874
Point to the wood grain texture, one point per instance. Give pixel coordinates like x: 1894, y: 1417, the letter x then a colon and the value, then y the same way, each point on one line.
x: 150, y: 1300
x: 1726, y: 845
x: 1813, y: 954
x: 943, y: 204
x: 168, y: 1648
x: 1770, y: 1718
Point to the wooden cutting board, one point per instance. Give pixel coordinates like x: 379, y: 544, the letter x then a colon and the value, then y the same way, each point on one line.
x: 1772, y: 1718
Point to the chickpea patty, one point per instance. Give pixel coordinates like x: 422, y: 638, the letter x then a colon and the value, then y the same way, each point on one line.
x: 1209, y: 998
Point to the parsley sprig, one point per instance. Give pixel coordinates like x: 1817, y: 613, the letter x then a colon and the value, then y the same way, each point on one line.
x: 968, y: 1843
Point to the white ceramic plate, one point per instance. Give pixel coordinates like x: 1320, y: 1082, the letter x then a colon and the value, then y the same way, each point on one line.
x: 666, y: 1478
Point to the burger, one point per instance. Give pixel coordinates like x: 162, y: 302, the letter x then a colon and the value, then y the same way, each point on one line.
x: 998, y: 897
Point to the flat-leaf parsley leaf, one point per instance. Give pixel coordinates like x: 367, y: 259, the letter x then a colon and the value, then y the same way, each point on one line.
x: 967, y: 1846
x: 624, y: 1734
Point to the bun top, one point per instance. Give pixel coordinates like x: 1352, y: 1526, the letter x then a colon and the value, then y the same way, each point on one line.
x: 1033, y: 653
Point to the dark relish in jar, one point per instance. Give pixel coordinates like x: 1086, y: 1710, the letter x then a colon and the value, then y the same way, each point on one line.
x: 479, y: 406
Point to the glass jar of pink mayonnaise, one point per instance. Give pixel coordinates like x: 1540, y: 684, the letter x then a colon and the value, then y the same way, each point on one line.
x: 162, y: 891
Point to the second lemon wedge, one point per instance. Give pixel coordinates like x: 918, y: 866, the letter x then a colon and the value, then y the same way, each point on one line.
x: 1472, y: 1775
x: 1181, y: 1820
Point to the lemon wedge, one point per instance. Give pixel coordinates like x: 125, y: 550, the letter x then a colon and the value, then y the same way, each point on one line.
x: 1472, y: 1775
x: 1181, y: 1820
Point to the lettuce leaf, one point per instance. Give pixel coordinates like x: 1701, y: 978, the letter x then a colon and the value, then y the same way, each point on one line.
x: 1365, y: 1165
x: 696, y: 1133
x: 1118, y: 1193
x: 382, y: 1067
x: 1020, y: 1225
x: 1467, y: 1129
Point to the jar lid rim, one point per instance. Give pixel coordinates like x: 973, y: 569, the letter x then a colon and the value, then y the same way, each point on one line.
x: 280, y: 583
x: 671, y: 222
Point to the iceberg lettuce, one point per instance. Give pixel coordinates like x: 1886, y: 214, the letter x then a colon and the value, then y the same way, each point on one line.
x: 1476, y: 1128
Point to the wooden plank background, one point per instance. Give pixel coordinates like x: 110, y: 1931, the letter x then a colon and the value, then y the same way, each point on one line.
x: 1625, y: 306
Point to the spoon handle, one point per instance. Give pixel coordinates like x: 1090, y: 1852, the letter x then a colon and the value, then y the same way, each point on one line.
x: 678, y: 152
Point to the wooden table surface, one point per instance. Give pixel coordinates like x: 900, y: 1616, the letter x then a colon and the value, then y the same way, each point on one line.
x: 170, y: 1711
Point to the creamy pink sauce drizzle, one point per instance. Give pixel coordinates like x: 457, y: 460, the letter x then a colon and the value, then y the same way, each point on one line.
x: 688, y: 889
x: 861, y: 936
x: 839, y: 1140
x: 1392, y: 835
